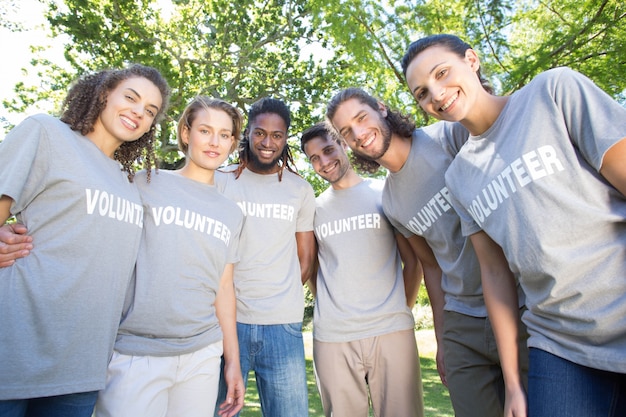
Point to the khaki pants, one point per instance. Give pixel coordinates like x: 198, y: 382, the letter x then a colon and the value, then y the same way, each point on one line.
x: 385, y: 367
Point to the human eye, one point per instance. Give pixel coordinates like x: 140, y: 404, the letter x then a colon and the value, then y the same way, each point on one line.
x: 204, y: 131
x: 277, y: 136
x: 420, y: 94
x: 151, y: 113
x: 441, y: 73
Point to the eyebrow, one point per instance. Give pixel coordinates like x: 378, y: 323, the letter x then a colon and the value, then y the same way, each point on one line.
x: 139, y: 95
x: 343, y: 130
x: 429, y: 72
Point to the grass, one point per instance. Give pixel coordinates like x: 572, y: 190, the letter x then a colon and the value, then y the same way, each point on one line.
x: 436, y: 397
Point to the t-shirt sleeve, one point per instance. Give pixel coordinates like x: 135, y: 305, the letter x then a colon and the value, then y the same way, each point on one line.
x: 23, y: 163
x: 307, y: 210
x: 594, y: 120
x: 233, y: 255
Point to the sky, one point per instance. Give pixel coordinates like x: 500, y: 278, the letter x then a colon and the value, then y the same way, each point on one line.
x: 14, y: 49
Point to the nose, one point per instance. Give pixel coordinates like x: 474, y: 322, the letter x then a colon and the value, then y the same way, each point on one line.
x: 324, y: 160
x: 440, y: 94
x: 214, y: 139
x: 138, y: 110
x: 359, y: 132
x: 266, y: 142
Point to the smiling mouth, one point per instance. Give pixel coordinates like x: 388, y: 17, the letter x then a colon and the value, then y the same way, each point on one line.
x: 331, y: 168
x: 368, y: 141
x: 128, y: 122
x: 266, y: 153
x: 448, y: 103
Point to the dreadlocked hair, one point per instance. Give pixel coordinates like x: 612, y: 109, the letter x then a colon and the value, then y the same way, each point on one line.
x: 87, y: 98
x: 398, y: 123
x: 264, y: 106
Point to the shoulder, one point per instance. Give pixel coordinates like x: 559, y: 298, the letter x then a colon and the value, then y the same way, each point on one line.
x: 561, y: 77
x: 449, y: 136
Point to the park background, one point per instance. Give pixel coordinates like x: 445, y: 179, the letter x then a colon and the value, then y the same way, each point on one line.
x: 303, y: 52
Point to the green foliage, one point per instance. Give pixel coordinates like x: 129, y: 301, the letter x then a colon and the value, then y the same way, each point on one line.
x: 304, y: 51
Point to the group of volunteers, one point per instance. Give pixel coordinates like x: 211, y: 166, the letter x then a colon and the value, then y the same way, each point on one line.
x: 156, y: 293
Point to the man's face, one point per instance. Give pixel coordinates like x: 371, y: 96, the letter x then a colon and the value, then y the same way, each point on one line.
x: 364, y: 129
x: 268, y: 138
x: 328, y: 158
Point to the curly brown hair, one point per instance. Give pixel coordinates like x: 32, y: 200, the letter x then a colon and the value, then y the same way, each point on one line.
x: 87, y: 98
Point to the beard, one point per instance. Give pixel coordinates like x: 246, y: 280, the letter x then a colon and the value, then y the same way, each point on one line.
x: 261, y: 166
x: 385, y: 131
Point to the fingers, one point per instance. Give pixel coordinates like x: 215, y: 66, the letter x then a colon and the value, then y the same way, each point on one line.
x: 14, y: 243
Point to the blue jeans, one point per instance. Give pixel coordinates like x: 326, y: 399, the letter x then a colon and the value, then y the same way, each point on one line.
x: 80, y: 404
x: 276, y: 355
x: 560, y: 388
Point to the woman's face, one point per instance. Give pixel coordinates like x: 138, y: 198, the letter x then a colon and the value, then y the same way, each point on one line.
x: 443, y: 83
x: 209, y: 139
x: 130, y: 111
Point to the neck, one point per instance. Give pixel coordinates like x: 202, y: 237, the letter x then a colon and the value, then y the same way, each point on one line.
x: 397, y: 154
x: 350, y: 179
x: 486, y: 113
x: 206, y: 176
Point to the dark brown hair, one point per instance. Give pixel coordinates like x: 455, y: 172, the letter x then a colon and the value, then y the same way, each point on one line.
x: 87, y: 98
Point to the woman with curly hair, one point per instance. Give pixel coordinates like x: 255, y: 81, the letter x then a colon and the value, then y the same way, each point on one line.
x: 69, y: 181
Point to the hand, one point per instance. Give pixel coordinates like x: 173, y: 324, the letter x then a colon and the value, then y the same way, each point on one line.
x: 515, y: 403
x: 236, y: 391
x: 14, y: 243
x: 441, y: 367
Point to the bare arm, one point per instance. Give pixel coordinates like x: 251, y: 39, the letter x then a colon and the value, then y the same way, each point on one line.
x: 226, y: 310
x: 614, y: 166
x: 307, y: 252
x: 14, y: 242
x: 432, y: 280
x: 500, y: 292
x: 411, y: 270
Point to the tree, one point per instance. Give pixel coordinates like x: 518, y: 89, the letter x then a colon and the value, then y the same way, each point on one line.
x: 303, y: 51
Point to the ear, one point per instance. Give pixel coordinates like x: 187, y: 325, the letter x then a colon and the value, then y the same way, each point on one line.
x: 184, y: 135
x: 472, y: 58
x: 382, y: 109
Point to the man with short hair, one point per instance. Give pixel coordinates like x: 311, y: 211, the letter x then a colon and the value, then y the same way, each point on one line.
x: 363, y: 336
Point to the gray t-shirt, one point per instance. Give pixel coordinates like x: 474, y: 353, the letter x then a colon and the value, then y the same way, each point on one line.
x: 360, y: 287
x: 267, y: 277
x: 417, y: 201
x: 532, y: 183
x: 60, y: 306
x: 191, y: 231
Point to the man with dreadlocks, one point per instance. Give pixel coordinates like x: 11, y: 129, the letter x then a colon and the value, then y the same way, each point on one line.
x: 277, y: 249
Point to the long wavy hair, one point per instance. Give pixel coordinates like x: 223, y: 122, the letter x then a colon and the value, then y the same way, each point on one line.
x: 264, y: 106
x: 87, y: 98
x: 398, y: 123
